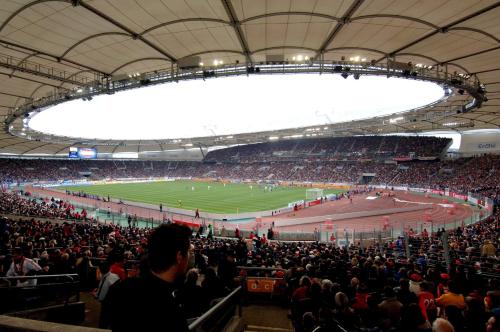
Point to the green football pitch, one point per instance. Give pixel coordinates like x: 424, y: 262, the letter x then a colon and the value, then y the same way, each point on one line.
x: 206, y: 196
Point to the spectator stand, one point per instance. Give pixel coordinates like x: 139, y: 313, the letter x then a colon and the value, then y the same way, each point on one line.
x: 54, y: 298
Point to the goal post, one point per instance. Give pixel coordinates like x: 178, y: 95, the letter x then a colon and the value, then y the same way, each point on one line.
x: 313, y: 194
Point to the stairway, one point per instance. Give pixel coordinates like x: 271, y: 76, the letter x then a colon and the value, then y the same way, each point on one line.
x: 266, y: 318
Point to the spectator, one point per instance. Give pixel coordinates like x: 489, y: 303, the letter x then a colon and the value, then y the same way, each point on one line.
x: 189, y: 291
x: 451, y: 297
x: 152, y: 297
x: 442, y: 325
x: 22, y: 266
x: 390, y: 308
x: 413, y: 320
x: 107, y: 280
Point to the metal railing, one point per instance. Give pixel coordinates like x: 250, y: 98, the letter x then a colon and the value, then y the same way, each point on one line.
x: 217, y: 317
x: 71, y: 278
x: 45, y: 291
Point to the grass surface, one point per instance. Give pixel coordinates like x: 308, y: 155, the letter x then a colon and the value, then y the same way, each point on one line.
x: 231, y: 198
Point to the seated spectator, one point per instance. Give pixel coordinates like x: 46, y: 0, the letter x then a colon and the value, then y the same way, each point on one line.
x: 212, y: 286
x: 22, y: 266
x: 189, y: 291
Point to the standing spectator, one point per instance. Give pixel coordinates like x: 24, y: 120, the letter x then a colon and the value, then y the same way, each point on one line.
x: 390, y: 308
x: 488, y: 249
x: 152, y: 297
x: 451, y: 297
x: 107, y: 280
x: 117, y: 264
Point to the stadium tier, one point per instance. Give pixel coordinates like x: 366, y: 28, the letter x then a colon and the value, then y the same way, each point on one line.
x: 350, y: 148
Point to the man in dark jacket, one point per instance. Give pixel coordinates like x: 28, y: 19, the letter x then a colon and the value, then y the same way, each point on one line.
x: 149, y: 303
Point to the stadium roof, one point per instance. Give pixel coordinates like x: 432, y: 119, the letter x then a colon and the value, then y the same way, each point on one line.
x: 58, y: 45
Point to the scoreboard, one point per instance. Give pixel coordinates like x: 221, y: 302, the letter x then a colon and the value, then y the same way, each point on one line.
x: 82, y: 153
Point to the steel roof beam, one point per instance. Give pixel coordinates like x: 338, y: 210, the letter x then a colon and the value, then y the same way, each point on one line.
x: 55, y: 57
x: 134, y: 61
x: 97, y: 35
x: 444, y: 29
x: 28, y: 79
x: 22, y: 142
x: 35, y: 69
x: 184, y: 20
x: 228, y: 6
x: 13, y: 95
x: 132, y: 33
x: 485, y: 71
x: 292, y: 13
x: 38, y: 146
x: 340, y: 24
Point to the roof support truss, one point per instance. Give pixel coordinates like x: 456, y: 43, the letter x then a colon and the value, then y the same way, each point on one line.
x: 228, y: 6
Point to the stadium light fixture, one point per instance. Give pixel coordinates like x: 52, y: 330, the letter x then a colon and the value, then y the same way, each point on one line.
x: 344, y: 75
x: 356, y: 76
x: 201, y: 64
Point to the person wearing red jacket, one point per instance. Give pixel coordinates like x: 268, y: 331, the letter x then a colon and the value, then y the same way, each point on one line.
x: 426, y: 301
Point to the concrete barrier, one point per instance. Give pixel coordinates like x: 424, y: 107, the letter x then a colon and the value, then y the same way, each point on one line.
x: 15, y: 324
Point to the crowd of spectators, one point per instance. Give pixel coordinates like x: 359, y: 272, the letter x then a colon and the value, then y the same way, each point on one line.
x: 21, y: 203
x: 352, y: 148
x: 375, y: 287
